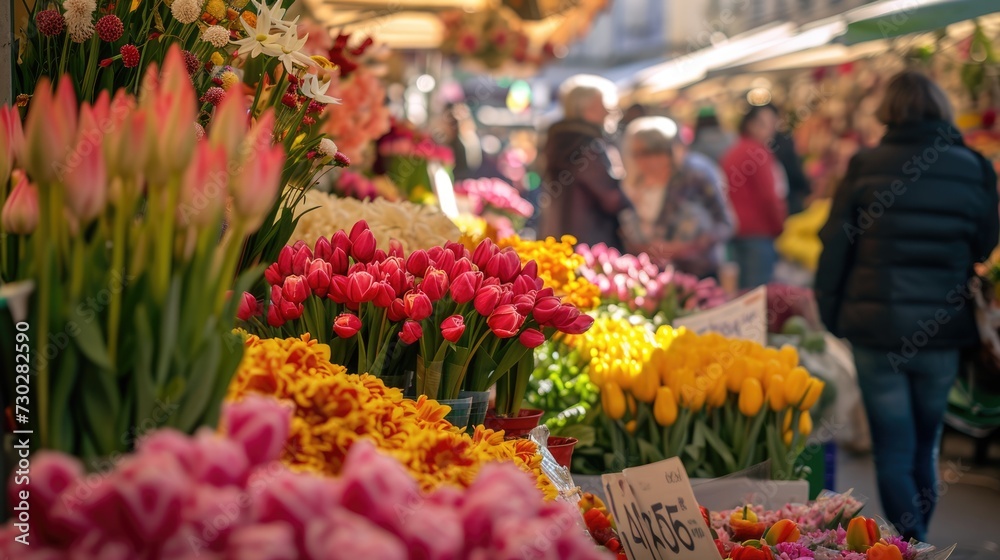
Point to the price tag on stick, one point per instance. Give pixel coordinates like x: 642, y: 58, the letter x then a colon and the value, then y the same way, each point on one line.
x: 637, y: 542
x: 668, y: 510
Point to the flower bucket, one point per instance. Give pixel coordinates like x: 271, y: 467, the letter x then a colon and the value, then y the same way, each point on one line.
x: 402, y: 381
x: 561, y: 449
x: 514, y: 427
x: 480, y: 402
x: 460, y: 409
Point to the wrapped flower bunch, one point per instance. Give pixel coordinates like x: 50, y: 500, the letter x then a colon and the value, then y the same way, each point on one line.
x: 218, y: 496
x: 636, y: 283
x: 333, y: 411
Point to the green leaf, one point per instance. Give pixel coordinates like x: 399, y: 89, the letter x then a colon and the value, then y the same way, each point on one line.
x: 586, y: 436
x: 90, y: 340
x: 168, y: 329
x: 63, y: 384
x: 232, y: 346
x: 722, y: 449
x: 145, y: 392
x: 199, y: 388
x: 650, y: 451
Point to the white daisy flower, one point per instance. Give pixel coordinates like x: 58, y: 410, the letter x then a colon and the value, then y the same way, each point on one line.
x: 313, y: 88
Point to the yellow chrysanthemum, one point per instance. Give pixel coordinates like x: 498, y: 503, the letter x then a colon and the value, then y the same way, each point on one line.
x: 557, y: 267
x: 249, y: 17
x: 216, y: 9
x: 334, y: 409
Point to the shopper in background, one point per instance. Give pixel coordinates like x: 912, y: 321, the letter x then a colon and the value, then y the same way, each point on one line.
x: 709, y: 137
x: 678, y: 198
x: 581, y: 195
x: 799, y: 188
x: 756, y: 183
x: 461, y: 137
x: 910, y: 219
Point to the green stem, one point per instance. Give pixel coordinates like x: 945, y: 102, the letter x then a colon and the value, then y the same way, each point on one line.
x: 122, y: 215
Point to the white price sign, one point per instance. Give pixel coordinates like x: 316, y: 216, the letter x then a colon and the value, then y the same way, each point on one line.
x: 637, y: 543
x: 745, y: 317
x: 668, y: 512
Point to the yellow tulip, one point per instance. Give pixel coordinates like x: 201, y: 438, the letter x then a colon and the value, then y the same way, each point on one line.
x: 751, y: 397
x: 692, y: 397
x: 787, y: 436
x: 644, y: 386
x: 805, y: 424
x: 771, y: 367
x: 786, y: 422
x: 630, y: 401
x: 788, y: 356
x: 814, y: 388
x: 717, y: 396
x: 613, y: 400
x: 734, y: 380
x: 776, y: 393
x: 630, y: 426
x: 598, y: 373
x: 665, y: 407
x: 755, y: 368
x: 795, y: 385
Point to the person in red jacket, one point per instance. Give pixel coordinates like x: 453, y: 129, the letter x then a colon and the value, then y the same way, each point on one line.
x: 755, y: 184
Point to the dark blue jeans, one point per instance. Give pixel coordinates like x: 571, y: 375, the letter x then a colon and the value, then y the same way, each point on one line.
x: 756, y: 257
x: 905, y: 400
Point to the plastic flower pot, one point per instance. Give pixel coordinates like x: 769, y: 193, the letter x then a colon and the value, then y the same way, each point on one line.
x: 480, y: 402
x: 561, y: 449
x: 515, y: 426
x: 460, y: 409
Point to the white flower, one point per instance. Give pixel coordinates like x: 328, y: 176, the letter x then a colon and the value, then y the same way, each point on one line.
x: 217, y: 35
x: 187, y: 11
x: 326, y: 148
x: 274, y: 15
x: 259, y: 39
x: 80, y: 19
x: 313, y: 88
x: 291, y: 50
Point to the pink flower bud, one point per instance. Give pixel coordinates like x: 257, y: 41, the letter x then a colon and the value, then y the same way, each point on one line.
x: 411, y: 332
x: 460, y: 267
x: 11, y: 139
x: 272, y: 276
x: 20, y: 211
x: 384, y: 295
x: 523, y: 303
x: 346, y: 325
x: 531, y: 338
x: 49, y: 130
x: 452, y: 328
x: 255, y: 187
x: 323, y: 249
x: 443, y: 260
x: 530, y: 269
x: 417, y: 262
x: 274, y: 317
x: 579, y: 325
x: 505, y: 322
x: 481, y: 256
x: 395, y: 248
x: 204, y: 187
x: 248, y: 307
x: 545, y: 310
x: 285, y: 256
x: 359, y: 226
x: 363, y: 246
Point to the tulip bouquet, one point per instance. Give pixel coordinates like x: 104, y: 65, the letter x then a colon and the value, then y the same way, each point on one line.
x: 119, y: 216
x: 334, y: 411
x: 639, y: 285
x: 217, y: 496
x: 466, y: 319
x: 406, y: 156
x: 498, y: 202
x: 744, y: 535
x: 720, y: 404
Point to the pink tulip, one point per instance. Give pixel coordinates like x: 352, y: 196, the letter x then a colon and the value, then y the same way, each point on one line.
x: 361, y: 287
x: 260, y: 424
x: 363, y: 246
x: 274, y: 317
x: 411, y: 332
x: 443, y: 260
x: 464, y: 286
x: 418, y: 306
x: 395, y: 248
x: 341, y: 241
x: 531, y: 338
x: 300, y: 258
x: 255, y: 187
x: 204, y: 187
x: 20, y: 211
x: 545, y: 310
x: 579, y: 325
x: 452, y: 328
x: 172, y: 104
x: 461, y: 266
x: 295, y: 289
x: 318, y: 276
x: 483, y: 253
x: 323, y: 249
x: 357, y: 229
x: 346, y: 325
x: 417, y: 262
x: 49, y: 130
x: 229, y: 125
x: 248, y: 307
x: 265, y: 541
x: 505, y: 322
x: 11, y: 139
x: 435, y: 284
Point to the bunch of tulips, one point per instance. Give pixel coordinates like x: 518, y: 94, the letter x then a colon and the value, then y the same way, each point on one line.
x: 458, y: 319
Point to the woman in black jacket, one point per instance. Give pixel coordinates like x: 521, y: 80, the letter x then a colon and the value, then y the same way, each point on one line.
x: 906, y: 226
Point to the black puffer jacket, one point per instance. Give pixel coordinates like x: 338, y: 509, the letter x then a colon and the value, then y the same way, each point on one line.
x: 906, y: 226
x: 580, y: 194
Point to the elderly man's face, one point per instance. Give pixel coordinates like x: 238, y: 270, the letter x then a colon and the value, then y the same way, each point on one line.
x: 595, y: 112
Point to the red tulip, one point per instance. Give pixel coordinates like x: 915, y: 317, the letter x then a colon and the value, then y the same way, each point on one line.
x: 523, y: 284
x: 530, y: 269
x: 395, y: 248
x: 295, y: 289
x: 487, y: 299
x: 380, y: 255
x: 400, y: 281
x: 396, y: 310
x: 363, y: 247
x: 272, y: 276
x: 490, y: 281
x: 545, y: 310
x: 289, y: 310
x: 531, y: 338
x: 464, y: 286
x: 346, y: 325
x: 481, y: 256
x: 509, y: 266
x: 749, y: 552
x: 300, y: 259
x: 435, y: 283
x: 248, y: 307
x: 457, y: 249
x: 564, y: 316
x: 579, y: 325
x: 384, y: 295
x: 410, y: 332
x: 359, y: 227
x: 341, y: 241
x: 505, y: 322
x: 274, y: 317
x: 434, y: 253
x: 298, y: 245
x: 417, y: 262
x: 360, y: 287
x: 523, y: 303
x: 338, y: 261
x: 545, y: 292
x: 452, y: 328
x: 323, y: 249
x: 418, y: 306
x: 445, y: 260
x: 460, y: 267
x: 285, y: 260
x: 338, y: 289
x: 319, y: 276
